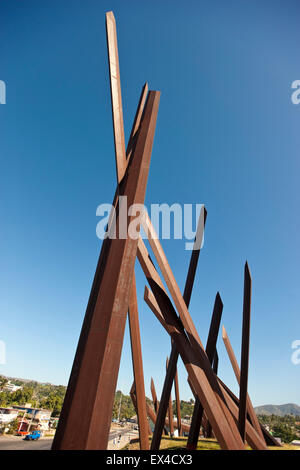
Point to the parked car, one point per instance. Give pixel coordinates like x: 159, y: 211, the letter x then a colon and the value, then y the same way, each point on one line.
x: 33, y: 436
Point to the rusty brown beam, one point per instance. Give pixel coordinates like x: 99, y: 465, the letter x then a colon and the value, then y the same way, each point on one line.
x: 93, y: 397
x: 210, y: 351
x: 236, y: 370
x: 245, y: 352
x: 171, y: 372
x: 137, y: 363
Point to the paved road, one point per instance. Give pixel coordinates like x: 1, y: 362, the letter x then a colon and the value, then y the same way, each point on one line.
x: 18, y: 443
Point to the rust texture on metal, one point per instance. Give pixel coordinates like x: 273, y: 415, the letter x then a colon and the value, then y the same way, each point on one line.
x: 137, y: 363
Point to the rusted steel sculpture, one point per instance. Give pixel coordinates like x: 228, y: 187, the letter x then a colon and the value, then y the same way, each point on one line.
x: 87, y: 410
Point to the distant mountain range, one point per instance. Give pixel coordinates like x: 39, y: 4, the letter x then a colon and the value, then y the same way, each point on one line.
x: 279, y: 410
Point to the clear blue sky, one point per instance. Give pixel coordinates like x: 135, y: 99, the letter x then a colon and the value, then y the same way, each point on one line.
x: 227, y: 136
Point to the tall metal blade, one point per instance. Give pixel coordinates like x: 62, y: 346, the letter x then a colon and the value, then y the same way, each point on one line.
x: 99, y: 365
x: 245, y: 352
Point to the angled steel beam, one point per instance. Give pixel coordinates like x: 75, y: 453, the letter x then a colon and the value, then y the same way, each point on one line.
x: 210, y: 351
x: 137, y: 362
x: 245, y: 352
x: 171, y: 372
x: 170, y: 407
x: 236, y: 370
x: 116, y: 98
x: 96, y: 379
x: 94, y: 292
x: 177, y: 397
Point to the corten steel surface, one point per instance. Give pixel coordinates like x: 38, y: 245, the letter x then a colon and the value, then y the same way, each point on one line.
x: 236, y: 370
x: 137, y: 362
x: 170, y: 407
x: 245, y: 352
x: 177, y: 397
x: 210, y: 351
x: 174, y: 353
x: 116, y: 98
x: 94, y: 394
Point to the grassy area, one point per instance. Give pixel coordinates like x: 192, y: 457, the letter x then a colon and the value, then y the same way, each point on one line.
x: 177, y: 443
x: 203, y: 444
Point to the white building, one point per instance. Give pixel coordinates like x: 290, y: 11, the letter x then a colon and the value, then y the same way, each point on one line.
x: 7, y: 415
x: 10, y: 387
